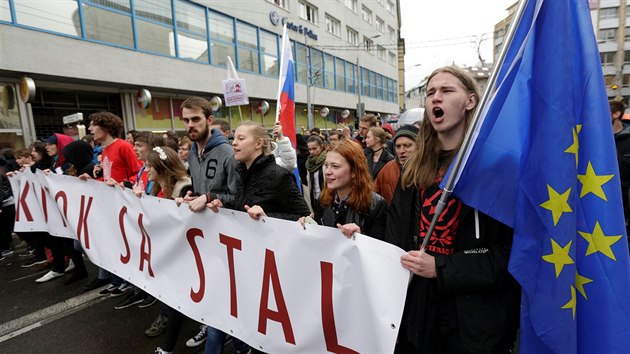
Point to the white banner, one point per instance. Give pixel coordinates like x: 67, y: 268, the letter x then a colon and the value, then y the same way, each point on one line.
x: 271, y: 283
x: 235, y: 92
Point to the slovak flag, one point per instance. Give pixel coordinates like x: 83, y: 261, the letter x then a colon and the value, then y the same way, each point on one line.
x: 285, y: 112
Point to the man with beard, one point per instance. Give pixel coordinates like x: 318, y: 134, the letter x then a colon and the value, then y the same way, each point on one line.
x: 211, y: 159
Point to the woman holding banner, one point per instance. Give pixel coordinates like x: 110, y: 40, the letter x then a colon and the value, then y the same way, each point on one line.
x: 265, y: 189
x: 461, y: 298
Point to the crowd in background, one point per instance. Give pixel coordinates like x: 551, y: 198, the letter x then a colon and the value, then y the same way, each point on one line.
x: 376, y: 181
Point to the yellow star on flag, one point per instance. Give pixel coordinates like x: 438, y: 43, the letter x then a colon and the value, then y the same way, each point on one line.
x: 559, y: 256
x: 598, y: 242
x: 572, y: 303
x: 579, y: 283
x: 557, y: 203
x: 573, y: 149
x: 592, y: 183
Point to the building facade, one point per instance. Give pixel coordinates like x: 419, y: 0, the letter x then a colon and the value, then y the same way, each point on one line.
x: 93, y: 55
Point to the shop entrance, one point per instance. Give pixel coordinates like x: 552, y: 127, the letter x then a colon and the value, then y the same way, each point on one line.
x: 51, y: 105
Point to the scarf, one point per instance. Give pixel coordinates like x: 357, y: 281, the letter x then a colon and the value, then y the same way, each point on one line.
x: 315, y: 163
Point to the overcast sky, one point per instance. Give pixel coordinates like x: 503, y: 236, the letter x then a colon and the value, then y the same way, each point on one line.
x: 441, y: 32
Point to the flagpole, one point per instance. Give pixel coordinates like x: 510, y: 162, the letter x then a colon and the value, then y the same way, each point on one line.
x: 489, y: 90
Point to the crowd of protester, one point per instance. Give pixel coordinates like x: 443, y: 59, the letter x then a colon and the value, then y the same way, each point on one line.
x: 378, y: 182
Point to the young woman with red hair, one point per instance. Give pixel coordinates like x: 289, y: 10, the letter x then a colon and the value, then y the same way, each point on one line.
x: 348, y: 199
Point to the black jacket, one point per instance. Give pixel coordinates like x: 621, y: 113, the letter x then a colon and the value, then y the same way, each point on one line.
x: 622, y: 143
x: 473, y: 293
x: 371, y: 223
x: 271, y: 187
x: 375, y: 167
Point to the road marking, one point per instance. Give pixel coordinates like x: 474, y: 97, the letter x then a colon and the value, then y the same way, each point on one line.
x: 49, y: 314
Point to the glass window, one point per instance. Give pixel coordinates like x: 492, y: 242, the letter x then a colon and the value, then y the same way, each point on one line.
x: 329, y: 71
x: 351, y: 77
x: 627, y: 33
x: 192, y: 46
x: 379, y: 86
x: 610, y: 12
x: 340, y: 74
x: 392, y: 58
x: 368, y: 45
x: 609, y: 34
x: 308, y: 12
x: 390, y: 7
x: 5, y: 11
x: 221, y: 38
x: 156, y: 10
x: 55, y: 16
x: 155, y: 38
x: 269, y: 50
x: 626, y: 57
x: 353, y: 36
x: 380, y: 24
x: 302, y: 63
x: 9, y: 115
x: 120, y: 5
x: 380, y: 53
x: 247, y: 47
x: 190, y: 17
x: 157, y: 116
x: 366, y: 14
x: 317, y: 66
x: 608, y: 58
x: 333, y: 25
x: 372, y: 83
x: 352, y: 5
x: 107, y: 26
x: 392, y: 33
x: 365, y: 82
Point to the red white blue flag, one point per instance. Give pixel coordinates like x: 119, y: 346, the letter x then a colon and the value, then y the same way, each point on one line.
x: 285, y: 112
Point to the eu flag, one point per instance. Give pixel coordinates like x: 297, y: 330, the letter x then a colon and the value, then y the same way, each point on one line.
x: 544, y: 162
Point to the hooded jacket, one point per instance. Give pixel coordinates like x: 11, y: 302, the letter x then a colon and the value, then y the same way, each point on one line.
x: 79, y: 154
x: 213, y: 170
x: 62, y: 141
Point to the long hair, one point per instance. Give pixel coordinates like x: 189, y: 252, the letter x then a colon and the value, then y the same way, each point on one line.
x: 421, y: 169
x: 259, y: 132
x: 170, y: 170
x: 362, y: 187
x: 379, y: 134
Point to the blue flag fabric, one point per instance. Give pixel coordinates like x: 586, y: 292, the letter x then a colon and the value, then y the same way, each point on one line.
x: 544, y: 163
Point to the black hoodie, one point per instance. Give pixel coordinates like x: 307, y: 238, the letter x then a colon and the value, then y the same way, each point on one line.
x: 79, y: 154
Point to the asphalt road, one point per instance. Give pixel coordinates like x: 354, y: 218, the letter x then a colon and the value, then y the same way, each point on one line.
x: 55, y: 318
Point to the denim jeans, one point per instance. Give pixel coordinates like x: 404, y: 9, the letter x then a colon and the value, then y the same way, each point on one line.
x: 103, y: 274
x: 216, y: 338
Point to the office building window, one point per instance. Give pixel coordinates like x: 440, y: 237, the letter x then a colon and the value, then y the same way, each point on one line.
x: 351, y: 77
x: 365, y: 82
x: 281, y: 3
x: 392, y: 33
x: 390, y: 7
x: 333, y: 25
x: 608, y: 58
x: 317, y: 68
x: 626, y: 34
x: 247, y: 47
x: 609, y: 34
x: 626, y: 57
x: 269, y: 50
x: 154, y: 26
x: 5, y: 11
x: 392, y: 58
x: 380, y: 53
x: 55, y: 16
x: 380, y: 24
x: 192, y: 39
x: 340, y: 75
x: 606, y: 13
x: 366, y: 14
x: 110, y: 23
x: 353, y: 36
x: 368, y: 44
x: 221, y: 38
x: 329, y: 71
x: 302, y: 63
x: 308, y: 12
x: 352, y: 5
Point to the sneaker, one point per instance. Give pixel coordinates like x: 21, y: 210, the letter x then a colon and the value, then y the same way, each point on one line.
x: 148, y: 301
x: 6, y: 253
x: 29, y: 253
x: 95, y: 284
x: 161, y: 351
x: 199, y: 338
x: 108, y: 290
x: 34, y: 261
x: 125, y: 287
x: 49, y: 276
x: 157, y: 327
x: 70, y: 266
x: 130, y: 300
x: 121, y: 290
